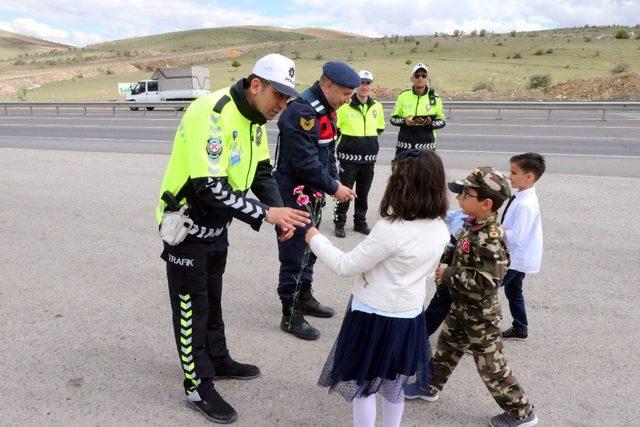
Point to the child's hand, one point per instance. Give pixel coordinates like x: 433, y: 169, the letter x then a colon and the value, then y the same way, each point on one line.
x: 310, y: 233
x: 439, y: 274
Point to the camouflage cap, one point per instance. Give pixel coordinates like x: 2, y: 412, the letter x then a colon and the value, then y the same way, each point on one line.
x: 486, y: 177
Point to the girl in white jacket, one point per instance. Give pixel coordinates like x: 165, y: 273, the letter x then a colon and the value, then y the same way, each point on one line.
x: 383, y: 342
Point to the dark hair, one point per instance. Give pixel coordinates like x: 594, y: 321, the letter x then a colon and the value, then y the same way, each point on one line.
x: 484, y: 194
x: 416, y: 189
x: 530, y: 162
x: 248, y: 80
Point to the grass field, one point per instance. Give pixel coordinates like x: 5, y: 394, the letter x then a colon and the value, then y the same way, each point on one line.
x: 457, y: 64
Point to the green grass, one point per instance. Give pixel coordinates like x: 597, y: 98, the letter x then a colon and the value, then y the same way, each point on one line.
x: 194, y: 40
x: 456, y: 64
x: 12, y: 45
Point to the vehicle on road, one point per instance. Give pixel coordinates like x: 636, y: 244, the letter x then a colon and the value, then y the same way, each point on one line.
x: 171, y: 84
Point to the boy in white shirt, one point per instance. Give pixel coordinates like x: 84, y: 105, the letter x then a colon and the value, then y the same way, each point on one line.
x: 523, y: 231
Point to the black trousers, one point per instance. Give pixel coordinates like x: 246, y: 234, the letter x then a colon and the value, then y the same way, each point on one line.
x: 438, y: 308
x: 195, y: 290
x: 360, y: 175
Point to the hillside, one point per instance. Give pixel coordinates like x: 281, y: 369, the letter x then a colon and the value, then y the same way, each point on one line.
x: 12, y: 45
x: 478, y: 65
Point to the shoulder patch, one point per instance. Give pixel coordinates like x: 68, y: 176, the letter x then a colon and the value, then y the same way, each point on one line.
x: 494, y: 231
x: 307, y: 124
x: 214, y: 148
x: 221, y: 103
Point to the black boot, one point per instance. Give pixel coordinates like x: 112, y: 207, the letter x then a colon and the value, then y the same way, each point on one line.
x: 309, y: 305
x: 362, y: 228
x: 296, y: 325
x: 207, y: 400
x: 229, y: 368
x: 339, y: 231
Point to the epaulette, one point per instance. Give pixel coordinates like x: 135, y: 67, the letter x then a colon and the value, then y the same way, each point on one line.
x: 221, y: 103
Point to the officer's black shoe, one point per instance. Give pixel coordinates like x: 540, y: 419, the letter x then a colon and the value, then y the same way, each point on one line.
x: 298, y: 327
x: 229, y: 368
x: 215, y: 408
x: 514, y: 334
x: 310, y: 306
x: 339, y: 231
x: 362, y: 228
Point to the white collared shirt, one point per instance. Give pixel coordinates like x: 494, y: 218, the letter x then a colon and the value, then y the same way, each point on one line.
x: 523, y: 230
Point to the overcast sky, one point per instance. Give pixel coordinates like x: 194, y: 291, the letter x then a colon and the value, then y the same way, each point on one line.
x: 91, y: 21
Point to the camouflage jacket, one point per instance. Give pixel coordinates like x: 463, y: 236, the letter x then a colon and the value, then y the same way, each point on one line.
x: 476, y: 266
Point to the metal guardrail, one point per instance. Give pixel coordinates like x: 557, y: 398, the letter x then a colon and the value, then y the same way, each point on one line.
x: 448, y: 105
x: 541, y: 105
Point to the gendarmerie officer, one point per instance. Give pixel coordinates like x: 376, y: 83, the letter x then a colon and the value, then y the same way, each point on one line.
x: 306, y: 156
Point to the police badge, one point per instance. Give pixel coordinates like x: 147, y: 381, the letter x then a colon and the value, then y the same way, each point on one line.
x: 374, y: 113
x: 259, y: 135
x: 214, y: 148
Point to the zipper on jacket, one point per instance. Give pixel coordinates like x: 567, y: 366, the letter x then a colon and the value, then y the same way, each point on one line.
x: 246, y: 182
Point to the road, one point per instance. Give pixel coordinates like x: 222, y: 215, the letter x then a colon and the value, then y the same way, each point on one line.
x: 574, y: 142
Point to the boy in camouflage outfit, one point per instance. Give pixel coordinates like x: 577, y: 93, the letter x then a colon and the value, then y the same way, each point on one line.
x: 474, y: 273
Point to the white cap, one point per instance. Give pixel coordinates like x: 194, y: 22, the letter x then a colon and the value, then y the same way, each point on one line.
x: 420, y: 66
x: 366, y: 75
x: 279, y: 71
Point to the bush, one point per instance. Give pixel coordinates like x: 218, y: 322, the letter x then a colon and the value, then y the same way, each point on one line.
x: 587, y: 39
x: 549, y: 51
x: 539, y: 80
x: 109, y: 71
x: 539, y: 52
x: 319, y: 56
x: 483, y: 85
x: 474, y: 33
x: 483, y: 33
x: 436, y: 44
x: 19, y: 62
x: 236, y: 64
x: 622, y: 34
x: 408, y: 62
x: 493, y: 55
x: 517, y: 55
x: 500, y: 44
x: 620, y: 68
x: 513, y: 33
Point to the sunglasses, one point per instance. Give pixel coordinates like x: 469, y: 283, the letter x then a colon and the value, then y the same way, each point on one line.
x: 420, y: 75
x: 406, y: 154
x: 465, y: 194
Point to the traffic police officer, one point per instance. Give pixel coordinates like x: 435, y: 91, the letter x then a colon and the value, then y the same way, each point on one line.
x: 359, y: 122
x: 306, y: 156
x: 219, y: 153
x: 418, y: 112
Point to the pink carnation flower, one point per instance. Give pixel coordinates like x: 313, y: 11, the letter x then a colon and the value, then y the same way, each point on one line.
x: 317, y: 195
x: 303, y: 200
x: 298, y: 190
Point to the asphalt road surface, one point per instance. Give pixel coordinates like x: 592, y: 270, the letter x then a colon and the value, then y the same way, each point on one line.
x: 84, y: 309
x: 574, y: 142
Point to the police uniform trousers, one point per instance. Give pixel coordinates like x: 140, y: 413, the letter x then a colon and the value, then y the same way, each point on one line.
x: 195, y: 290
x: 461, y: 331
x: 291, y: 254
x: 360, y: 175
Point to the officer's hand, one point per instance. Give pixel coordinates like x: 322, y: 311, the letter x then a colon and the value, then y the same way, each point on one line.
x: 428, y: 121
x: 287, y: 219
x: 344, y: 193
x: 409, y: 121
x: 310, y: 233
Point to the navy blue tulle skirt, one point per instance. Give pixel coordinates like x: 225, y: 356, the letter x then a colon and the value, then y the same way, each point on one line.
x: 377, y: 353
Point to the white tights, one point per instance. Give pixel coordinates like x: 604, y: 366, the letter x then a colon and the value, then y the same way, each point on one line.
x: 364, y: 412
